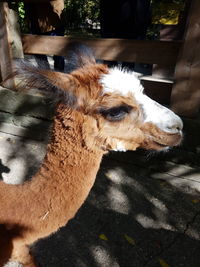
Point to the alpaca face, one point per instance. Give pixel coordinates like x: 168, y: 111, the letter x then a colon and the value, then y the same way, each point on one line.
x: 137, y: 120
x: 124, y: 116
x: 117, y: 114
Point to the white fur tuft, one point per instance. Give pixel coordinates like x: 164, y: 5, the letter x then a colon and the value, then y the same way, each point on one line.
x: 120, y: 147
x: 121, y: 81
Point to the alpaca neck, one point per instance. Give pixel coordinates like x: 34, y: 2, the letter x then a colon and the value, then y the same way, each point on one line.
x: 67, y: 150
x: 68, y: 146
x: 69, y: 168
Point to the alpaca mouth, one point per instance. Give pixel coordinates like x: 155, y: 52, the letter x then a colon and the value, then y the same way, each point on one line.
x: 160, y: 146
x: 157, y: 139
x: 169, y: 141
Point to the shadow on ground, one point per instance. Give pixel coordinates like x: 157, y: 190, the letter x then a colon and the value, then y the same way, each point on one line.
x: 130, y: 219
x: 3, y: 169
x: 24, y: 128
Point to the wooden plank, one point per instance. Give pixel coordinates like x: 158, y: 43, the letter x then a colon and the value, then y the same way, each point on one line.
x: 5, y: 49
x: 25, y: 104
x: 14, y: 34
x: 10, y: 42
x: 39, y: 134
x: 185, y: 99
x: 160, y: 52
x: 156, y: 79
x: 23, y: 121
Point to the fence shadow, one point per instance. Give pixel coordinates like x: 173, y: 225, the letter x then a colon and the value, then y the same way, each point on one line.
x: 25, y: 121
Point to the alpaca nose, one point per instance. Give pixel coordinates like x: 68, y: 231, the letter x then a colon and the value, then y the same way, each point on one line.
x: 175, y: 125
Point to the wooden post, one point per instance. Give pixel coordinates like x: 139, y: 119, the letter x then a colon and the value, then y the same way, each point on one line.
x: 10, y: 42
x: 172, y: 32
x: 185, y: 98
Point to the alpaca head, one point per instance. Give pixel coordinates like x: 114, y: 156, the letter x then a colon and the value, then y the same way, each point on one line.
x: 117, y: 114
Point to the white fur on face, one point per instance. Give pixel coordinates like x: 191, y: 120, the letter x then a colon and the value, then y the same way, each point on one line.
x: 120, y: 147
x: 124, y: 82
x: 159, y: 115
x: 121, y: 81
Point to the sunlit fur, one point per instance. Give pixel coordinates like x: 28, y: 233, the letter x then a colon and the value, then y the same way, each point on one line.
x: 85, y: 127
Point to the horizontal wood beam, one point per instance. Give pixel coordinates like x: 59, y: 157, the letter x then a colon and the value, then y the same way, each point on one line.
x: 150, y: 52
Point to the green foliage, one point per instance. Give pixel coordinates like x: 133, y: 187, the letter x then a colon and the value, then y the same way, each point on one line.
x: 21, y: 13
x: 81, y: 13
x: 19, y: 8
x: 166, y: 12
x: 82, y: 17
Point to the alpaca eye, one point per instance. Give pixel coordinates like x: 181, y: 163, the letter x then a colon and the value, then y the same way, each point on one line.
x: 116, y: 113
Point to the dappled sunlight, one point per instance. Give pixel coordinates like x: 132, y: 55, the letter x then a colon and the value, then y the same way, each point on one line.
x: 21, y: 157
x: 103, y: 257
x: 23, y: 133
x: 118, y: 201
x: 116, y: 175
x: 186, y: 182
x: 193, y: 233
x: 147, y: 222
x: 160, y: 200
x: 135, y: 213
x: 18, y: 171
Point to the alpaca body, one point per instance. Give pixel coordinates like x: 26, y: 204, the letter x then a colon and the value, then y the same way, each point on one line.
x: 52, y: 197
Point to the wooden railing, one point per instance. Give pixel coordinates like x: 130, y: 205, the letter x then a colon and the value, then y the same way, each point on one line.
x: 150, y: 52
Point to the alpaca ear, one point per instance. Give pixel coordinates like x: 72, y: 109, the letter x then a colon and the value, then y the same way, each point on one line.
x: 55, y: 85
x: 78, y: 56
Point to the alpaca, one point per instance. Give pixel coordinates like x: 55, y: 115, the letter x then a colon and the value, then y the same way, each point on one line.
x: 98, y: 109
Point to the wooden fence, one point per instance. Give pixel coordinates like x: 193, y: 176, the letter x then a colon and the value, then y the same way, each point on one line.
x: 150, y: 52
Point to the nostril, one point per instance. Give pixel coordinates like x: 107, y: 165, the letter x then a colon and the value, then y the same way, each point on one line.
x: 175, y: 127
x: 179, y: 125
x: 178, y: 128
